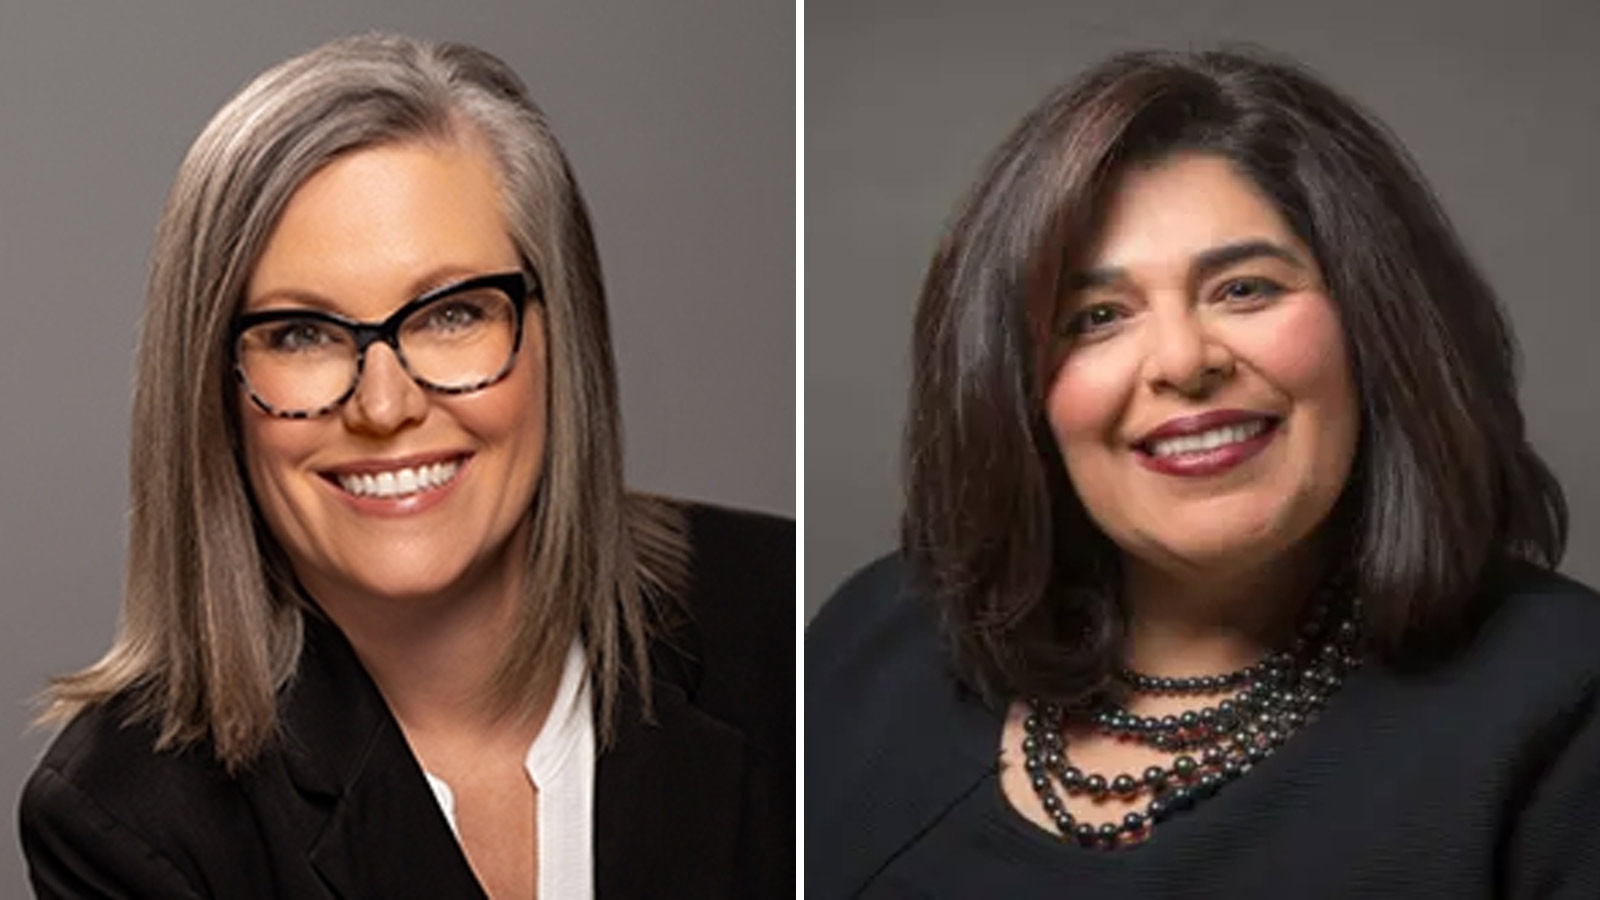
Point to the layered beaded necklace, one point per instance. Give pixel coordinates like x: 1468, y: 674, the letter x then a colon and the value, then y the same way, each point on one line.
x: 1260, y: 707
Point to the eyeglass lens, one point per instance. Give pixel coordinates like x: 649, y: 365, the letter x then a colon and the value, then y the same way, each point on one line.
x: 458, y: 342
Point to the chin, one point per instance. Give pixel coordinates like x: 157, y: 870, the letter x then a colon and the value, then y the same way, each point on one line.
x: 1221, y: 546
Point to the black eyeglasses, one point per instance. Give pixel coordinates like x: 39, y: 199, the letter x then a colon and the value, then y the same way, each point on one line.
x: 463, y: 337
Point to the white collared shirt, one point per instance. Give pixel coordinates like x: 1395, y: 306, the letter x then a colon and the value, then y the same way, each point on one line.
x: 560, y: 764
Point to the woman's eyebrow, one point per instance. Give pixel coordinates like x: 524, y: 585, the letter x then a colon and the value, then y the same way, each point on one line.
x: 1206, y: 263
x: 1209, y: 262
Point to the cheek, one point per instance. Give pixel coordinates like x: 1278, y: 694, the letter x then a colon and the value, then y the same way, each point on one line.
x: 273, y: 452
x: 514, y: 413
x: 1305, y: 357
x: 1085, y: 402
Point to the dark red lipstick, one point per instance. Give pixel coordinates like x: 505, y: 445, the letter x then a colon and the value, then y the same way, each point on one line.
x: 1208, y: 461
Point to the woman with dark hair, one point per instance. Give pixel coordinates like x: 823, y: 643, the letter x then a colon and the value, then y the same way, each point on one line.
x: 392, y: 625
x: 1226, y: 565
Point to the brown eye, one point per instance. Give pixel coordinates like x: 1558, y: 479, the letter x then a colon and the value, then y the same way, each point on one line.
x: 1249, y: 290
x: 1092, y: 320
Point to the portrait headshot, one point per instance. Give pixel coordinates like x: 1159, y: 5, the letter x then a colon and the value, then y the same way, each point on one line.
x: 1197, y: 425
x: 406, y: 484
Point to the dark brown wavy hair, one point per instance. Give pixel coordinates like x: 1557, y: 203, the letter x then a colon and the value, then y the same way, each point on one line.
x: 1444, y: 481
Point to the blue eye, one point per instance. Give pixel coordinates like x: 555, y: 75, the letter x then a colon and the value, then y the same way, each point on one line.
x: 455, y: 316
x: 297, y: 336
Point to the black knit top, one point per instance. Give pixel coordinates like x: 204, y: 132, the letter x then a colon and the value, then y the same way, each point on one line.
x: 1476, y: 774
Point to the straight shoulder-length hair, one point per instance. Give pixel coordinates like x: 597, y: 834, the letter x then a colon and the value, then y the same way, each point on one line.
x: 1444, y: 483
x: 211, y: 625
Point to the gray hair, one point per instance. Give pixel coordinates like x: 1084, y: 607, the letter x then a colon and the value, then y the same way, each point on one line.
x: 211, y: 621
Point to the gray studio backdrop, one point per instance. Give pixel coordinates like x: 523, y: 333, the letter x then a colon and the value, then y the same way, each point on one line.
x: 678, y: 117
x: 1499, y: 102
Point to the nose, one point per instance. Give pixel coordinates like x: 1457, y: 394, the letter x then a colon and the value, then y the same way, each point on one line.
x: 1183, y: 356
x: 386, y: 398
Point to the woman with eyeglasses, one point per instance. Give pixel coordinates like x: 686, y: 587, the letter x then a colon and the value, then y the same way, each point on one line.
x: 393, y: 627
x: 1227, y: 564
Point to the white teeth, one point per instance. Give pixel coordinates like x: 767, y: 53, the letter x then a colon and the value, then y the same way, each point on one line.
x: 401, y: 482
x: 1207, y: 440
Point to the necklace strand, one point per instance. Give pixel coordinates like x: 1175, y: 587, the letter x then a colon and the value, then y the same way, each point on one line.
x: 1265, y: 703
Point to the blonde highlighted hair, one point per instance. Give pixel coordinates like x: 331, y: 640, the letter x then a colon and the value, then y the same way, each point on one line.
x: 211, y: 619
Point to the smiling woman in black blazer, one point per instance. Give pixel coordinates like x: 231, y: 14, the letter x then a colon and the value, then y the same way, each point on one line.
x: 392, y: 624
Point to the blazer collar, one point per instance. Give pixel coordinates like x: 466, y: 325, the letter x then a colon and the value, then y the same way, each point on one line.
x: 668, y: 802
x: 668, y: 792
x: 383, y: 834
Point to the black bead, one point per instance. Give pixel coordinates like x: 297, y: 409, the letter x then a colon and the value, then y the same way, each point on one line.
x: 1030, y: 744
x: 1064, y: 822
x: 1180, y: 798
x: 1085, y: 834
x: 1159, y: 808
x: 1108, y: 833
x: 1154, y: 776
x: 1052, y: 759
x: 1189, y: 720
x: 1072, y: 777
x: 1124, y: 784
x: 1033, y: 764
x: 1208, y: 784
x: 1185, y: 766
x: 1031, y: 724
x: 1095, y: 785
x: 1041, y: 781
x: 1051, y: 803
x: 1132, y: 822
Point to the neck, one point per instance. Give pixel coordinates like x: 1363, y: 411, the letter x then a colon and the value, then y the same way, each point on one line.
x: 1208, y: 621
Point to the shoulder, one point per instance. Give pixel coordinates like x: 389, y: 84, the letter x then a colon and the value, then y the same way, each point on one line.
x: 741, y: 575
x: 109, y: 759
x: 733, y: 650
x: 1514, y: 688
x: 740, y: 547
x: 1525, y: 697
x: 875, y: 621
x: 105, y: 807
x: 1537, y: 628
x: 892, y: 739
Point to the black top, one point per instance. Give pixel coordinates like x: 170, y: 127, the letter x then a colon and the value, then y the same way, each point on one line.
x: 1475, y: 775
x: 699, y: 803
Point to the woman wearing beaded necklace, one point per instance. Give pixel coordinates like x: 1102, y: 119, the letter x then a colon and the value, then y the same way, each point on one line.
x: 1227, y: 566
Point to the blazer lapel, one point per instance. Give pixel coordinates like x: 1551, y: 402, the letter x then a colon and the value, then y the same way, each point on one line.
x: 383, y: 834
x: 667, y: 802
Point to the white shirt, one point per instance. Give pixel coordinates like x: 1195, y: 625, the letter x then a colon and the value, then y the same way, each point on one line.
x: 560, y: 764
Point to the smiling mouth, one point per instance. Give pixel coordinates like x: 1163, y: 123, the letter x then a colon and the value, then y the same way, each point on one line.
x: 1205, y: 441
x: 398, y: 483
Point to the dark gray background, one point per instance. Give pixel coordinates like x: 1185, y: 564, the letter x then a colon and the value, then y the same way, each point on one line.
x: 1499, y: 102
x: 679, y: 118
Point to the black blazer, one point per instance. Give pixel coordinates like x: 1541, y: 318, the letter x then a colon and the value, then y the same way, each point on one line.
x: 699, y: 803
